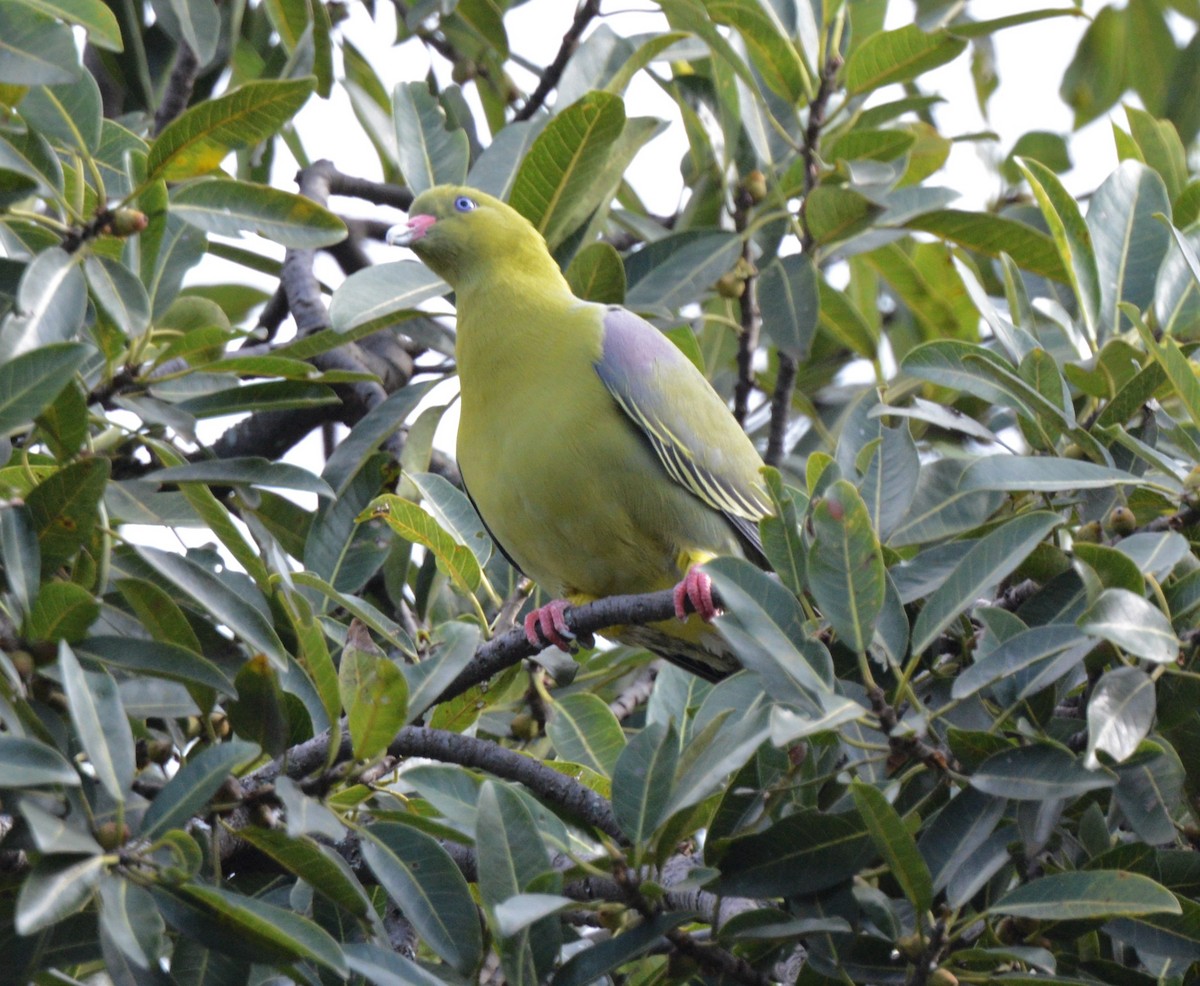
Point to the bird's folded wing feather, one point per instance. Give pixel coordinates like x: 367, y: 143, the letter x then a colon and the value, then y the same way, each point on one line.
x: 691, y: 431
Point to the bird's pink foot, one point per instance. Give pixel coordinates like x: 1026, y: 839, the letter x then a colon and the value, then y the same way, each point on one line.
x: 694, y: 594
x: 546, y: 626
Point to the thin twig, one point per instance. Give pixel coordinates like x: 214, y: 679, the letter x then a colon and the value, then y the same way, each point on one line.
x: 748, y: 308
x: 552, y: 75
x: 785, y: 377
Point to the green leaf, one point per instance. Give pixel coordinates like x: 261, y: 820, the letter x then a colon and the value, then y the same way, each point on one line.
x: 1115, y: 569
x: 511, y: 857
x: 593, y: 964
x: 30, y: 763
x: 275, y: 395
x: 230, y: 207
x: 1168, y: 935
x: 414, y: 524
x: 374, y: 693
x: 383, y: 294
x: 780, y: 532
x: 1018, y: 652
x: 1120, y: 713
x: 835, y: 212
x: 198, y: 140
x: 430, y: 152
x: 940, y: 508
x: 30, y: 382
x: 20, y: 555
x: 1071, y: 237
x: 895, y: 843
x: 196, y: 23
x: 771, y: 50
x: 643, y: 778
x: 789, y: 299
x: 319, y: 866
x: 69, y: 114
x: 157, y: 659
x: 454, y: 645
x: 51, y: 302
x: 55, y: 888
x: 35, y: 49
x: 1161, y: 148
x: 92, y: 15
x: 1038, y: 773
x: 193, y: 785
x: 495, y: 170
x: 63, y: 508
x: 230, y: 607
x: 1087, y: 895
x: 959, y: 829
x: 1130, y: 244
x: 1041, y: 474
x: 990, y: 559
x: 678, y: 269
x: 584, y: 730
x: 810, y: 850
x: 29, y: 154
x: 991, y: 235
x: 454, y: 512
x: 244, y: 471
x: 1133, y: 623
x: 421, y: 878
x: 384, y: 967
x: 119, y: 292
x: 596, y: 273
x: 280, y: 935
x: 557, y: 186
x: 898, y: 56
x: 63, y: 611
x: 845, y: 565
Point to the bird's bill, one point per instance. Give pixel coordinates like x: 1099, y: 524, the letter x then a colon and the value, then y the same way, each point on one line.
x: 406, y: 234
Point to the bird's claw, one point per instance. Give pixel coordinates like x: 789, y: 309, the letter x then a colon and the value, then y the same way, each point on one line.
x: 694, y: 594
x: 547, y: 626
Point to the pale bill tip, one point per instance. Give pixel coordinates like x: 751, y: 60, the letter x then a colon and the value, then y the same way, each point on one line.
x: 400, y: 235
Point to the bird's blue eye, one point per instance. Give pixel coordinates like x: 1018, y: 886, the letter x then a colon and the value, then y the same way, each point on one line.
x: 464, y: 204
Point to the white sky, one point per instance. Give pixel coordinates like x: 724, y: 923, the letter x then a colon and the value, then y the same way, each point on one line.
x: 1031, y: 60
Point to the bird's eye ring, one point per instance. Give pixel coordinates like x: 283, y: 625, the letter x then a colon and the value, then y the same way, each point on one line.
x: 464, y: 204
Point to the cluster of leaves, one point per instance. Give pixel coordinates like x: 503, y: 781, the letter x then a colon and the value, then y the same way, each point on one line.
x: 960, y: 744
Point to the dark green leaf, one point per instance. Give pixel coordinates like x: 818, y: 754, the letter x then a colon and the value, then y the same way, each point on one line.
x: 1087, y: 895
x: 422, y: 879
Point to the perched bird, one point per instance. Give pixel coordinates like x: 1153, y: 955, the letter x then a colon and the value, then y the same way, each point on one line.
x: 599, y: 458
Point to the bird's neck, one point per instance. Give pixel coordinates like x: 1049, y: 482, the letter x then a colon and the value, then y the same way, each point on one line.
x: 516, y: 329
x: 512, y: 311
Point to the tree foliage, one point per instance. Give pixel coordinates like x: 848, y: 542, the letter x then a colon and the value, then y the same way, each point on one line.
x: 962, y: 744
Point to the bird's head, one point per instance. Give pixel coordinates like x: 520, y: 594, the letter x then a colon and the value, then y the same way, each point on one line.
x: 462, y: 233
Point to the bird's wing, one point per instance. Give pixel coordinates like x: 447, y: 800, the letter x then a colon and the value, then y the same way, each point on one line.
x: 687, y: 424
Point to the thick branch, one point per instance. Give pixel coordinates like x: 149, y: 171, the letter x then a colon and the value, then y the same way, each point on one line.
x: 588, y: 10
x: 563, y: 792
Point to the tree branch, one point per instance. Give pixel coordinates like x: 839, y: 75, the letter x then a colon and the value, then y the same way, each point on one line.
x: 785, y: 377
x: 748, y: 308
x: 552, y: 75
x: 179, y: 87
x: 507, y: 649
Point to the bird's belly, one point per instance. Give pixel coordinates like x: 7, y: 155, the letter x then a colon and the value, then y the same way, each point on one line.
x: 587, y: 509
